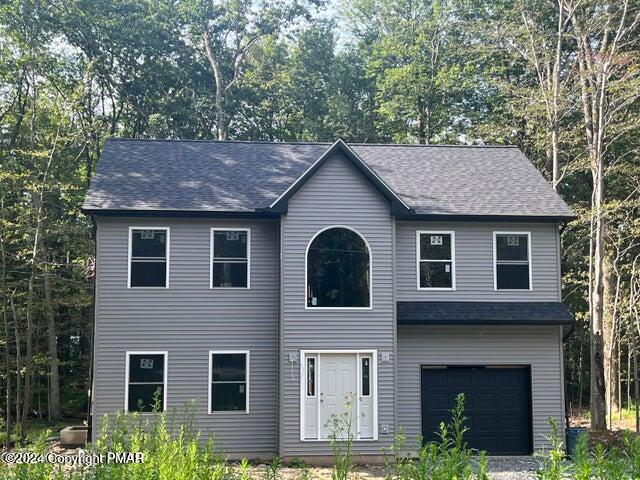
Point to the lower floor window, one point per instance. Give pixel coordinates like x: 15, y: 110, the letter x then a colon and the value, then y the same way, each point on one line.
x: 146, y: 381
x: 229, y: 381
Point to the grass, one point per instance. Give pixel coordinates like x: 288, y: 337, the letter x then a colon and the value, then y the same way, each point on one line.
x: 37, y: 427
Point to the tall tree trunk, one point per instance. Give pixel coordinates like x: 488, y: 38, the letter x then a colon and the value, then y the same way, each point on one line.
x: 8, y: 426
x: 221, y: 127
x: 611, y: 287
x: 598, y: 399
x: 16, y: 333
x: 7, y: 352
x: 54, y: 374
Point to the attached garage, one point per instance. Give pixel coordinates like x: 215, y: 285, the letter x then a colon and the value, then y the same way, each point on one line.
x: 479, y: 361
x: 497, y: 405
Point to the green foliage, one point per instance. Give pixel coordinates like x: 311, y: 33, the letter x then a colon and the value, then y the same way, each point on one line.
x: 553, y: 465
x: 590, y: 462
x: 448, y: 458
x: 341, y: 436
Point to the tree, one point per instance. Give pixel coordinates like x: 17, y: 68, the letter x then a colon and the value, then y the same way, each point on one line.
x: 228, y: 31
x: 609, y: 83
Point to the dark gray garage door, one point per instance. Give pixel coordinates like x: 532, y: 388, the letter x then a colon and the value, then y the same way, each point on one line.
x: 497, y: 404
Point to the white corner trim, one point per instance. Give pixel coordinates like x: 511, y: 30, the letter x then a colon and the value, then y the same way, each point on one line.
x: 128, y: 354
x: 495, y: 259
x: 306, y: 272
x: 211, y: 256
x: 167, y: 254
x: 452, y: 260
x: 247, y: 354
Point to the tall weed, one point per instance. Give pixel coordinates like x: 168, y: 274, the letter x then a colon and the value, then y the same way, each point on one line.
x: 448, y: 458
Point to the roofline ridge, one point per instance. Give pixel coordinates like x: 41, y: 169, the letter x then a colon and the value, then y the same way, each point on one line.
x: 269, y: 142
x: 205, y: 140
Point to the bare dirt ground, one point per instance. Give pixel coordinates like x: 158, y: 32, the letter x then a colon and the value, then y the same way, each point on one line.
x: 499, y: 468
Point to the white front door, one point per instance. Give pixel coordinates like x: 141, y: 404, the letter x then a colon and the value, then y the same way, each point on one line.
x: 338, y: 395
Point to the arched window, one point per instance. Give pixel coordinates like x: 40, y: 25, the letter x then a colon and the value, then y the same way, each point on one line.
x: 338, y: 270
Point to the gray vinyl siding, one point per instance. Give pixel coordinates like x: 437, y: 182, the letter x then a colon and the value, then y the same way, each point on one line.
x: 539, y: 347
x: 474, y: 262
x: 188, y: 320
x: 335, y: 195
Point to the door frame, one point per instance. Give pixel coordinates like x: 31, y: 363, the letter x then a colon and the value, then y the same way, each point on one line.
x: 525, y: 366
x: 373, y: 353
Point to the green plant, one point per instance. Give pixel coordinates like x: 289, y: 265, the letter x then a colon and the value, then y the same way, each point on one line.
x: 272, y: 472
x: 553, y: 467
x: 447, y: 458
x: 244, y: 469
x: 341, y: 437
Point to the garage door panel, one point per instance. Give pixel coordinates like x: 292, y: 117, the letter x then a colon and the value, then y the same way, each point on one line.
x: 497, y: 403
x: 486, y: 400
x: 439, y: 401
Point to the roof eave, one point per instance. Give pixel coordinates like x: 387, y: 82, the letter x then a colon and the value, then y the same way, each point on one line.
x: 481, y: 218
x: 172, y: 213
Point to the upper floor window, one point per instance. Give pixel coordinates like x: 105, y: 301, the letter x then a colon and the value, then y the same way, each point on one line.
x: 436, y: 260
x: 512, y: 257
x: 146, y: 381
x: 230, y: 258
x: 338, y: 270
x: 148, y: 257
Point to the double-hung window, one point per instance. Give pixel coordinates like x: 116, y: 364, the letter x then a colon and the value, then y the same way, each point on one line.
x: 436, y: 260
x: 230, y: 258
x: 229, y: 381
x: 512, y: 260
x: 146, y: 386
x: 149, y: 257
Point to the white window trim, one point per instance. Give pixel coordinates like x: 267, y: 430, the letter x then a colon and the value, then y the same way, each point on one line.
x: 247, y: 376
x: 453, y: 259
x: 126, y: 377
x: 495, y: 260
x: 167, y: 253
x: 306, y: 272
x: 211, y: 255
x: 374, y: 391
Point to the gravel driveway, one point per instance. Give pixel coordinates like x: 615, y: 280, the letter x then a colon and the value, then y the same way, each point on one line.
x: 512, y: 468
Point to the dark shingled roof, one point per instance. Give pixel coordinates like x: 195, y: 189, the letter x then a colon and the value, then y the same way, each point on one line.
x: 483, y: 313
x: 211, y: 176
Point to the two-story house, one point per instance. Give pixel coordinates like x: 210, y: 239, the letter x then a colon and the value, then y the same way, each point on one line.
x: 280, y: 284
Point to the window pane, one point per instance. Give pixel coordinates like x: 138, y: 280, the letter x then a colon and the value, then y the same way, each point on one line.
x: 435, y: 246
x: 230, y: 244
x: 142, y: 398
x: 228, y: 367
x: 338, y: 270
x: 366, y: 376
x: 435, y: 275
x: 229, y: 274
x: 228, y: 396
x: 311, y: 377
x: 148, y: 274
x: 510, y: 277
x: 512, y: 247
x: 148, y: 243
x: 146, y: 368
